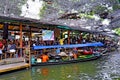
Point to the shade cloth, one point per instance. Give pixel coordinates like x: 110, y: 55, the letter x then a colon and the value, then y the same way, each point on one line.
x: 94, y: 44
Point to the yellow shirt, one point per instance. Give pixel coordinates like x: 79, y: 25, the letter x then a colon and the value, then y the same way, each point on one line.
x: 61, y: 41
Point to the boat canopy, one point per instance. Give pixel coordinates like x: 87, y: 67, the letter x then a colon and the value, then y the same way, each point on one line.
x: 94, y: 44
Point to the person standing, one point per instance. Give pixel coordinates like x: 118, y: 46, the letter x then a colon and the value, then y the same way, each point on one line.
x: 1, y: 48
x: 61, y: 41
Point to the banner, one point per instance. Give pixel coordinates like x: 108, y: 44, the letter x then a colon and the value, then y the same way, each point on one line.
x: 47, y: 35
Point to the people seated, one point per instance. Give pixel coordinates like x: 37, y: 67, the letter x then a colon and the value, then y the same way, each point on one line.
x: 87, y: 51
x: 58, y: 50
x: 62, y: 54
x: 72, y: 55
x: 1, y: 48
x: 45, y: 57
x: 75, y: 56
x: 12, y: 47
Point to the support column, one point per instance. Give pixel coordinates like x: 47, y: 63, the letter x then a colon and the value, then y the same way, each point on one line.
x: 30, y: 36
x: 29, y: 43
x: 80, y: 37
x: 21, y: 40
x: 5, y: 31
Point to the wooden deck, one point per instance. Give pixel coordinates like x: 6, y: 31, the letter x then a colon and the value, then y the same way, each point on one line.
x: 11, y: 64
x: 15, y: 66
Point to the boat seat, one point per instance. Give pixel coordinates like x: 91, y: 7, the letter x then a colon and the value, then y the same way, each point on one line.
x: 51, y: 57
x: 57, y: 57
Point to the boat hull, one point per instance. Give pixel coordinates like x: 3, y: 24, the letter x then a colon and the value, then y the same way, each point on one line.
x: 66, y: 62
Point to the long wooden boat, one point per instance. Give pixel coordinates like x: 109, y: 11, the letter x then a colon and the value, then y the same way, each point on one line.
x: 82, y: 58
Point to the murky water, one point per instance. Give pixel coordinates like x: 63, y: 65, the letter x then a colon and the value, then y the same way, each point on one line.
x: 106, y: 68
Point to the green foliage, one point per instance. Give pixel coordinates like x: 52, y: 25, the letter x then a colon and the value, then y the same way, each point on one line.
x: 91, y: 13
x: 89, y: 16
x: 117, y: 31
x: 99, y: 9
x: 42, y: 10
x: 116, y: 7
x: 23, y: 1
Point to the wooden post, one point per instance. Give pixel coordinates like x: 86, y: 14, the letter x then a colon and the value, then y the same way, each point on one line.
x: 80, y: 37
x: 29, y: 54
x: 30, y: 36
x: 5, y: 31
x: 29, y: 42
x: 21, y: 39
x: 21, y: 35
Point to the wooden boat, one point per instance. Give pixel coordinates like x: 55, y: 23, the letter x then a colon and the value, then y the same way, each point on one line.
x: 81, y: 58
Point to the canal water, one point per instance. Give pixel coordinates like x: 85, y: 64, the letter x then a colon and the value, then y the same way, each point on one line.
x: 105, y: 68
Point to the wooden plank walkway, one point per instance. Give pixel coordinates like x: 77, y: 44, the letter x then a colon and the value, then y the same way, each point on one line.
x: 10, y: 64
x: 14, y: 66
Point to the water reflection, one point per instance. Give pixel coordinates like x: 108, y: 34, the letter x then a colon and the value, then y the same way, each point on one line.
x: 19, y: 75
x: 65, y: 72
x: 106, y: 68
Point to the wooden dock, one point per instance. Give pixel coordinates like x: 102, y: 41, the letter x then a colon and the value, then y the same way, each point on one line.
x: 12, y: 64
x: 15, y: 66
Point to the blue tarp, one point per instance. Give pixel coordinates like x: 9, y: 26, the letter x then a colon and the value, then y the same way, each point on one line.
x: 69, y: 46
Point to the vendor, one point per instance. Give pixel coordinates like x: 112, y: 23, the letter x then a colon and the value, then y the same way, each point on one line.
x: 45, y: 57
